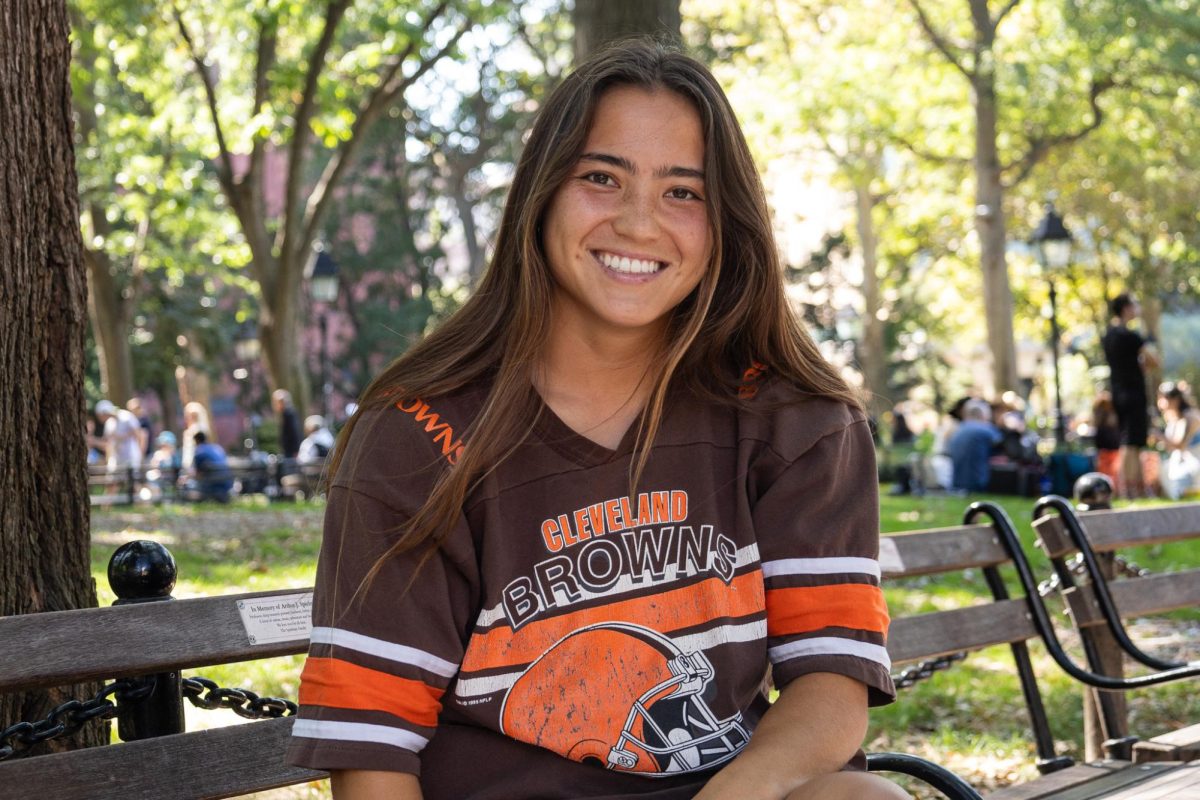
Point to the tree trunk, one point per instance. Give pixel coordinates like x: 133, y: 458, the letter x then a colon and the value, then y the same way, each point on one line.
x: 466, y: 213
x: 989, y: 225
x: 110, y: 324
x: 44, y: 514
x: 598, y: 22
x: 279, y: 330
x: 193, y: 387
x: 871, y: 356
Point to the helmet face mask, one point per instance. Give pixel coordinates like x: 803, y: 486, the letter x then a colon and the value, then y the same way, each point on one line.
x: 636, y: 703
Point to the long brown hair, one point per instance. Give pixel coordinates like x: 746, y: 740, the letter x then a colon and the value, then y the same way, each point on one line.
x: 737, y: 315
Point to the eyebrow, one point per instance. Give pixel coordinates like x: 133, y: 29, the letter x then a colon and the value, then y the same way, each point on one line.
x: 628, y: 166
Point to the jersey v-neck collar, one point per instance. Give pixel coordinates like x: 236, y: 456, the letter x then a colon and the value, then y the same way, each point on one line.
x: 574, y: 446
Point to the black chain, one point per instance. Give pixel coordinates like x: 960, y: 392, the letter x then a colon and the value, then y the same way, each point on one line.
x: 69, y: 717
x: 203, y: 693
x: 926, y: 669
x: 1122, y: 565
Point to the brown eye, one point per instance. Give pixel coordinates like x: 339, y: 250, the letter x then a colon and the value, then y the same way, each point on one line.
x: 683, y: 193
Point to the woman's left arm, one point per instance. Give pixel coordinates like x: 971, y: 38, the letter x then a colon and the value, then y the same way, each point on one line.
x: 814, y: 728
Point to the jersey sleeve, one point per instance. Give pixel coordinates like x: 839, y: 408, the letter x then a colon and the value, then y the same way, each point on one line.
x: 383, y: 650
x: 818, y: 523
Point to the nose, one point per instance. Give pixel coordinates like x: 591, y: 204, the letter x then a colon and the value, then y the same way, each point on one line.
x: 637, y: 217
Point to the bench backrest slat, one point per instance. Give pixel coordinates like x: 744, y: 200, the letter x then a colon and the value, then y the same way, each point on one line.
x: 1113, y: 530
x: 938, y: 550
x: 1137, y: 597
x: 943, y: 632
x: 63, y: 647
x: 202, y: 765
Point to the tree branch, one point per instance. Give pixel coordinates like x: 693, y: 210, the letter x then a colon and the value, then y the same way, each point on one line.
x: 292, y: 217
x: 938, y: 41
x: 1039, y: 147
x: 926, y: 155
x: 1009, y: 6
x: 383, y: 96
x: 200, y: 61
x: 264, y: 59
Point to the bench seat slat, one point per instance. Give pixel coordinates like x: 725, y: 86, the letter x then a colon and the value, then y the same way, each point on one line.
x: 201, y: 765
x: 943, y: 632
x: 1080, y: 782
x: 64, y: 647
x: 1128, y: 527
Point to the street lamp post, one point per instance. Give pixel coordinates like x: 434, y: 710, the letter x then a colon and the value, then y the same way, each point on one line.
x: 323, y: 285
x: 1052, y: 243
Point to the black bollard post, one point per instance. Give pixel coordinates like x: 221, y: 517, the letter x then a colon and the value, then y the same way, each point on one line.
x: 1093, y: 491
x: 144, y: 572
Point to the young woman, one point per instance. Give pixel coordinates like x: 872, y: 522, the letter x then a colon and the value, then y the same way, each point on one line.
x: 1181, y: 440
x: 575, y: 534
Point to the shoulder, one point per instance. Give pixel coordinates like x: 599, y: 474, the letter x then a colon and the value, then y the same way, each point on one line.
x: 791, y: 421
x: 408, y: 436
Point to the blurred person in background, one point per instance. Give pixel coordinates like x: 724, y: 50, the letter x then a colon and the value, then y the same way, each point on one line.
x: 289, y: 423
x: 1180, y: 474
x: 318, y: 441
x: 121, y: 439
x: 971, y: 447
x: 146, y: 434
x: 1129, y: 356
x: 195, y: 420
x: 209, y: 477
x: 1107, y: 437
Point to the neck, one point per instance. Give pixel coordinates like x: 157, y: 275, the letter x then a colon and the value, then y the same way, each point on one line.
x: 608, y: 364
x: 598, y: 383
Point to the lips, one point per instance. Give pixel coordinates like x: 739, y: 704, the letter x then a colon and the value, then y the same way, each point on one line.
x: 629, y: 266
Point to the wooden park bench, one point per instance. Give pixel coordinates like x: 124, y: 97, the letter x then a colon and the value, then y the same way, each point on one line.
x: 160, y: 639
x: 46, y: 650
x: 940, y: 634
x: 139, y: 638
x: 1084, y: 548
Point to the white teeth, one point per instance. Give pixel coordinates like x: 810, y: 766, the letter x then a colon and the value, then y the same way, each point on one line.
x: 632, y: 266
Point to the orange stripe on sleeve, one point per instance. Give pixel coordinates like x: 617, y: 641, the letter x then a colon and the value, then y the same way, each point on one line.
x: 813, y: 608
x: 670, y: 611
x: 335, y: 683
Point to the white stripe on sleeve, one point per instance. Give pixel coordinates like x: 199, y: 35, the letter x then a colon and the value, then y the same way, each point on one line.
x: 821, y: 566
x: 830, y: 646
x: 389, y: 650
x: 358, y: 732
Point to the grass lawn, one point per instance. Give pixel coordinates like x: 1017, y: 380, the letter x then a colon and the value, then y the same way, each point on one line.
x: 970, y: 718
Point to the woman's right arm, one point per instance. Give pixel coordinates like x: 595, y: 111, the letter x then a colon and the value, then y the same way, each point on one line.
x: 358, y: 784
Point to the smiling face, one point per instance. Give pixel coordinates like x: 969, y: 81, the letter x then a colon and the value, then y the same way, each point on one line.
x: 627, y: 235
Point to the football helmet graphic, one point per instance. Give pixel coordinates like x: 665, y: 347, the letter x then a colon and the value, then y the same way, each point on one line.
x: 624, y: 697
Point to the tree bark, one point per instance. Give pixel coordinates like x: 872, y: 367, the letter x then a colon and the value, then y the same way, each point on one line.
x: 598, y: 22
x: 110, y: 314
x: 871, y: 356
x: 109, y: 306
x: 44, y: 514
x: 989, y: 225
